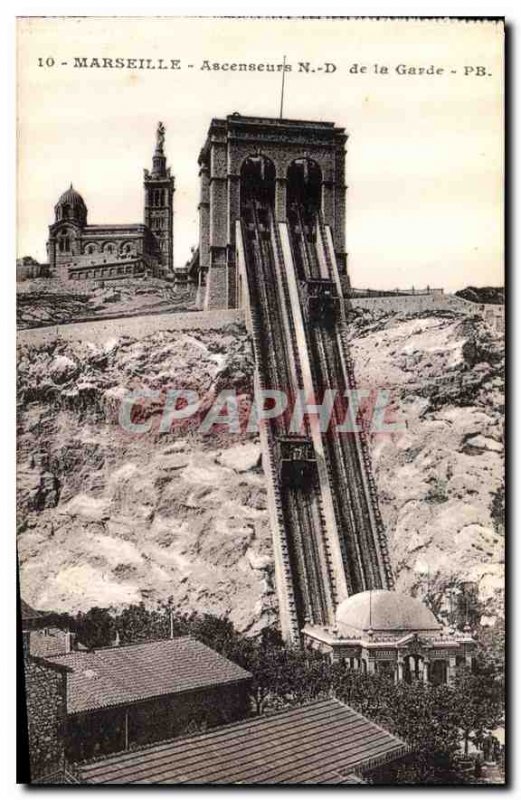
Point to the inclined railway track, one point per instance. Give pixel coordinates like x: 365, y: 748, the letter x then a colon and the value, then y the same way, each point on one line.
x: 305, y: 547
x: 360, y: 441
x: 298, y: 507
x: 363, y: 541
x: 260, y: 331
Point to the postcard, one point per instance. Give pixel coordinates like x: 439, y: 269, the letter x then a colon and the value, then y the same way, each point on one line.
x: 260, y: 392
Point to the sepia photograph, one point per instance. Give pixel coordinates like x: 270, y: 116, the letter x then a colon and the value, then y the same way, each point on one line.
x: 260, y: 397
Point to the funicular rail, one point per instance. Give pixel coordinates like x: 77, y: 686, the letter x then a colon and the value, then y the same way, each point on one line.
x: 363, y: 545
x: 298, y: 506
x: 338, y: 478
x: 260, y: 332
x: 323, y: 554
x: 360, y: 440
x: 353, y: 528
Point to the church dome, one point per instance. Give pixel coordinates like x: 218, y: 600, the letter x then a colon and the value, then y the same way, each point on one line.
x: 380, y: 610
x: 71, y: 205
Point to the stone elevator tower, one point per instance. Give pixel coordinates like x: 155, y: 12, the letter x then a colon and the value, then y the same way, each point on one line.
x: 282, y: 143
x: 159, y: 188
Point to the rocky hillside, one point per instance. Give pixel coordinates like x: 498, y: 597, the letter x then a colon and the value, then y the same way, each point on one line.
x: 108, y: 517
x: 441, y: 476
x: 51, y: 301
x: 483, y: 294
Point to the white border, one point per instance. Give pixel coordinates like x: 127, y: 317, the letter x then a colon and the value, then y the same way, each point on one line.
x: 8, y: 12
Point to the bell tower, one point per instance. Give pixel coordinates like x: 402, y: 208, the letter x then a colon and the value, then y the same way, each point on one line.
x: 159, y: 187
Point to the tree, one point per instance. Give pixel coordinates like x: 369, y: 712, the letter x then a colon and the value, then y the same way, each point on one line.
x: 216, y: 632
x: 53, y: 619
x: 370, y: 695
x: 95, y: 628
x: 137, y: 623
x: 424, y: 716
x: 420, y: 714
x: 478, y: 703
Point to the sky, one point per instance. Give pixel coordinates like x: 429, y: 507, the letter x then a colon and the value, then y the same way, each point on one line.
x: 424, y: 164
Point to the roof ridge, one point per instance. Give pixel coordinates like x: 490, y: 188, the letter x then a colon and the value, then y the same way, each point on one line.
x: 128, y: 645
x: 270, y: 715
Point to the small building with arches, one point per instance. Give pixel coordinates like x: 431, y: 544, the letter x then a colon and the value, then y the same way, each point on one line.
x: 389, y: 633
x: 77, y: 250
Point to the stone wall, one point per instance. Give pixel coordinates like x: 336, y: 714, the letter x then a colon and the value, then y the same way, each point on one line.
x: 26, y: 272
x: 397, y: 304
x: 45, y: 695
x: 103, y: 330
x: 105, y: 269
x: 494, y: 315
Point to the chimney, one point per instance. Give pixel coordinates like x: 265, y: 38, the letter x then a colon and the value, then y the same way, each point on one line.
x: 69, y: 641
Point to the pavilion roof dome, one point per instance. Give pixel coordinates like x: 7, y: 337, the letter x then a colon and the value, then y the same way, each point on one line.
x: 72, y: 198
x: 381, y: 610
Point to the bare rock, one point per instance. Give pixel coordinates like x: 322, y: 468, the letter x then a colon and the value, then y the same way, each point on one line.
x: 479, y: 443
x: 62, y: 368
x: 241, y: 458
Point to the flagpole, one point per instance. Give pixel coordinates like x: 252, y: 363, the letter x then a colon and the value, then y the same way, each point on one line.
x: 282, y: 89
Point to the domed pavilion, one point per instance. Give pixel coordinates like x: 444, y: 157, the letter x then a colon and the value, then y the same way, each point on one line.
x: 386, y: 632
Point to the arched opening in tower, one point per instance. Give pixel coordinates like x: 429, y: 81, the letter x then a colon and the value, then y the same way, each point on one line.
x: 303, y: 202
x: 304, y: 188
x: 257, y: 183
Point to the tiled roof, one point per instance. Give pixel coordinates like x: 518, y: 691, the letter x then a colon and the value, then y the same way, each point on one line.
x: 318, y: 743
x: 122, y: 675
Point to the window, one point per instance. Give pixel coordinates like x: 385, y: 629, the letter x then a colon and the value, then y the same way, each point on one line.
x: 64, y: 244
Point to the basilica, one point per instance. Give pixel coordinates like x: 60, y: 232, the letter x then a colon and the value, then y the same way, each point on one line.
x: 78, y: 251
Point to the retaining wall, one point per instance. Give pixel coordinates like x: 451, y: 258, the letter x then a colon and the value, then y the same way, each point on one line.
x: 100, y: 331
x: 398, y: 304
x: 494, y: 315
